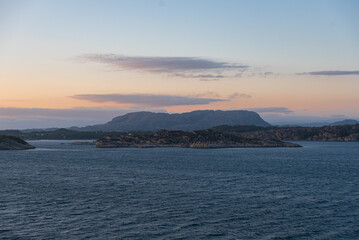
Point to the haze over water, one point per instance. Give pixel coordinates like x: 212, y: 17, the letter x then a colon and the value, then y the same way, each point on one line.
x: 65, y: 191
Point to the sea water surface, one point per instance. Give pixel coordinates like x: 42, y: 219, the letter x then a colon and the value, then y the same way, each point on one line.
x: 64, y: 191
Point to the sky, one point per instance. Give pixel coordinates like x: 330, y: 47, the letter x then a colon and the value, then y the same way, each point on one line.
x: 76, y: 63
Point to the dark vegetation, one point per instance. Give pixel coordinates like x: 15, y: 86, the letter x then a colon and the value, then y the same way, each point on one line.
x: 62, y: 134
x: 326, y: 133
x: 13, y: 143
x: 12, y: 138
x: 195, y: 139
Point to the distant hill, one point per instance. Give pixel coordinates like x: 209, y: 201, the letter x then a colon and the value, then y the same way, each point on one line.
x: 345, y: 122
x: 196, y: 120
x: 62, y: 133
x: 326, y: 133
x: 319, y: 124
x: 305, y: 124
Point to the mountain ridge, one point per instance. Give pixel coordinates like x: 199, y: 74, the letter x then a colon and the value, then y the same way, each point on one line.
x: 345, y: 122
x: 195, y: 120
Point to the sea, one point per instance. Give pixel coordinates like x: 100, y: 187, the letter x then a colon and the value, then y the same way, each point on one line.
x: 65, y: 191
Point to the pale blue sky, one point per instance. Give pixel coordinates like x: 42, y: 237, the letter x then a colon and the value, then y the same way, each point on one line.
x: 41, y: 40
x: 296, y: 35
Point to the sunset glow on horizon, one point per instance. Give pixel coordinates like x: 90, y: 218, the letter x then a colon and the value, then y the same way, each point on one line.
x: 291, y: 61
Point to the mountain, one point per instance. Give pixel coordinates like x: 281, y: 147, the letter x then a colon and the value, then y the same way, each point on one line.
x: 345, y: 122
x: 196, y: 120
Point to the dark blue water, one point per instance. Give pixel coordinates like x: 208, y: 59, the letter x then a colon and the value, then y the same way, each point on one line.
x: 62, y: 191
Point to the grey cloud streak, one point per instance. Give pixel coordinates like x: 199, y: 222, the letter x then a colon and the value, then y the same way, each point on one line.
x: 147, y: 99
x: 159, y: 64
x: 330, y: 73
x: 239, y: 95
x: 209, y: 79
x: 197, y: 76
x: 271, y: 110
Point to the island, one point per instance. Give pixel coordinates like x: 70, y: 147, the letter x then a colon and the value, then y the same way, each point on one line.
x: 13, y: 143
x: 195, y: 139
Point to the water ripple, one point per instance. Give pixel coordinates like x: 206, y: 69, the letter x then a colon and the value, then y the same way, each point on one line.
x: 62, y: 191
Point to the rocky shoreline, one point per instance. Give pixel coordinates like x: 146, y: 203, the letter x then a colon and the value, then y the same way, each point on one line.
x: 195, y: 139
x: 13, y: 143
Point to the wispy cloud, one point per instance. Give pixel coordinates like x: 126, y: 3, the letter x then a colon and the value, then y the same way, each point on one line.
x: 271, y: 110
x: 161, y: 64
x: 209, y: 79
x: 330, y: 73
x: 202, y: 77
x: 147, y: 99
x: 268, y: 73
x: 339, y: 115
x: 207, y: 94
x: 197, y: 76
x: 239, y: 95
